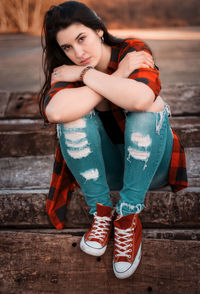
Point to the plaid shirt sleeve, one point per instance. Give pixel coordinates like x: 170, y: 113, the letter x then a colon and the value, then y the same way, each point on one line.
x: 55, y: 88
x: 62, y: 181
x: 148, y: 76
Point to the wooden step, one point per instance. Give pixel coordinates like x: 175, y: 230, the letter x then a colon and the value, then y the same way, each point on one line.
x: 27, y: 209
x: 147, y: 233
x: 4, y: 98
x: 183, y: 100
x: 35, y: 171
x: 26, y: 172
x: 24, y: 137
x: 188, y: 129
x: 36, y: 139
x: 45, y: 262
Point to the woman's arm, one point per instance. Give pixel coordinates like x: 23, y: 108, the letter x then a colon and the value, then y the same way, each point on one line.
x: 70, y: 104
x: 133, y: 86
x: 126, y: 93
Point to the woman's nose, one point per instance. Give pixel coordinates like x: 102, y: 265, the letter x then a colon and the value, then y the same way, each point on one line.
x: 78, y: 51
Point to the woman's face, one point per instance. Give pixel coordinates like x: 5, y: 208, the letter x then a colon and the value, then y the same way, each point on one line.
x: 81, y: 44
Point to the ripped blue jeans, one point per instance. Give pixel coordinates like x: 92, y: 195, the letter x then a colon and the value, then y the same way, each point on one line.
x: 99, y: 166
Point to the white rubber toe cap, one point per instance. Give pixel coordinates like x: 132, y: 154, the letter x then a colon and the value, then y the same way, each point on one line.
x: 94, y: 244
x: 121, y: 266
x: 124, y: 270
x: 92, y: 247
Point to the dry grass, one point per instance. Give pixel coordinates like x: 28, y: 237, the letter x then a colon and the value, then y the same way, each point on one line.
x: 27, y: 15
x: 24, y: 16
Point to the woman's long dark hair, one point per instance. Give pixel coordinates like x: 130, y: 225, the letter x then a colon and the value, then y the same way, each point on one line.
x: 60, y: 17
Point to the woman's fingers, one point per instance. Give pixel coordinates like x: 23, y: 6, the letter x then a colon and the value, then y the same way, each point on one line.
x: 143, y: 57
x: 135, y: 60
x: 140, y: 62
x: 148, y: 59
x: 54, y: 76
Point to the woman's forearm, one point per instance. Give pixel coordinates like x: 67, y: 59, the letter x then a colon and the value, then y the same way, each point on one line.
x: 70, y: 104
x: 126, y: 93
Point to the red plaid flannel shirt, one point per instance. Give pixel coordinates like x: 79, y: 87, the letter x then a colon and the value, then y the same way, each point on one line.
x: 63, y: 182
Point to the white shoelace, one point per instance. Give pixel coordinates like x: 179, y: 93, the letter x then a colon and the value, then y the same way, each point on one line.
x: 123, y: 246
x: 100, y: 227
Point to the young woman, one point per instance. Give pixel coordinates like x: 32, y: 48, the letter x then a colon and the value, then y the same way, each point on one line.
x: 113, y: 129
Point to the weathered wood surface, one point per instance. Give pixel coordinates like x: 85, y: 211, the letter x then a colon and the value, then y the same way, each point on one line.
x: 147, y: 233
x: 26, y: 137
x: 4, y: 97
x: 23, y: 105
x: 188, y: 129
x: 183, y: 99
x: 27, y: 209
x: 35, y: 171
x: 36, y: 139
x: 26, y: 172
x: 193, y: 166
x: 54, y: 263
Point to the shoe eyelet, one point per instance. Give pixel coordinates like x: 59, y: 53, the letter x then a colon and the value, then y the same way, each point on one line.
x: 129, y: 256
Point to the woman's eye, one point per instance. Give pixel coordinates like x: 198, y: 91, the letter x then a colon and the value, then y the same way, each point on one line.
x: 81, y: 39
x: 66, y: 48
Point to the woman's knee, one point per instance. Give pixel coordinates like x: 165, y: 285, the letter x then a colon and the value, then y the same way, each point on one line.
x: 78, y: 135
x: 145, y: 122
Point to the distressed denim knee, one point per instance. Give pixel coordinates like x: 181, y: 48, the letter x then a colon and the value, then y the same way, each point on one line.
x: 145, y: 144
x: 75, y: 138
x: 81, y: 148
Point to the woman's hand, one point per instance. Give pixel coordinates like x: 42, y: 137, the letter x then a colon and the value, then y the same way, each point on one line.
x: 133, y: 61
x: 66, y: 73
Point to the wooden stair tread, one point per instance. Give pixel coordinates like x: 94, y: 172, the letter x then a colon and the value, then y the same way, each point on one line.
x: 53, y: 263
x: 24, y: 137
x: 35, y: 171
x: 27, y: 208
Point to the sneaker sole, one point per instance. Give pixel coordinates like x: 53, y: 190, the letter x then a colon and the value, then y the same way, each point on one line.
x: 132, y: 268
x: 90, y: 250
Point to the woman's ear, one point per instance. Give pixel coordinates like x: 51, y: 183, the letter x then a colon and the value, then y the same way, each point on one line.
x: 100, y: 33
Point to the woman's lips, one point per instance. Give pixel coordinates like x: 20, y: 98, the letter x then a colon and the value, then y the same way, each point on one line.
x: 85, y: 61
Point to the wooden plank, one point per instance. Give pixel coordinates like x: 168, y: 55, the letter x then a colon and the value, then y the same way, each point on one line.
x: 188, y: 130
x: 26, y: 209
x: 23, y: 105
x: 4, y: 97
x: 172, y: 234
x: 54, y: 263
x: 147, y: 233
x: 193, y: 165
x: 35, y: 171
x: 183, y: 99
x: 36, y: 139
x: 28, y: 172
x: 30, y: 137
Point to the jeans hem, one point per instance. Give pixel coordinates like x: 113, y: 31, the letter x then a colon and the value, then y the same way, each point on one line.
x: 125, y: 208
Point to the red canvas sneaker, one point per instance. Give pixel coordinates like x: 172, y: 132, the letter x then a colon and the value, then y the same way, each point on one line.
x: 127, y: 245
x: 94, y: 242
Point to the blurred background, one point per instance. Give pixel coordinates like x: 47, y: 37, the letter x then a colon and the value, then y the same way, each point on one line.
x: 171, y: 28
x: 155, y: 21
x: 26, y: 15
